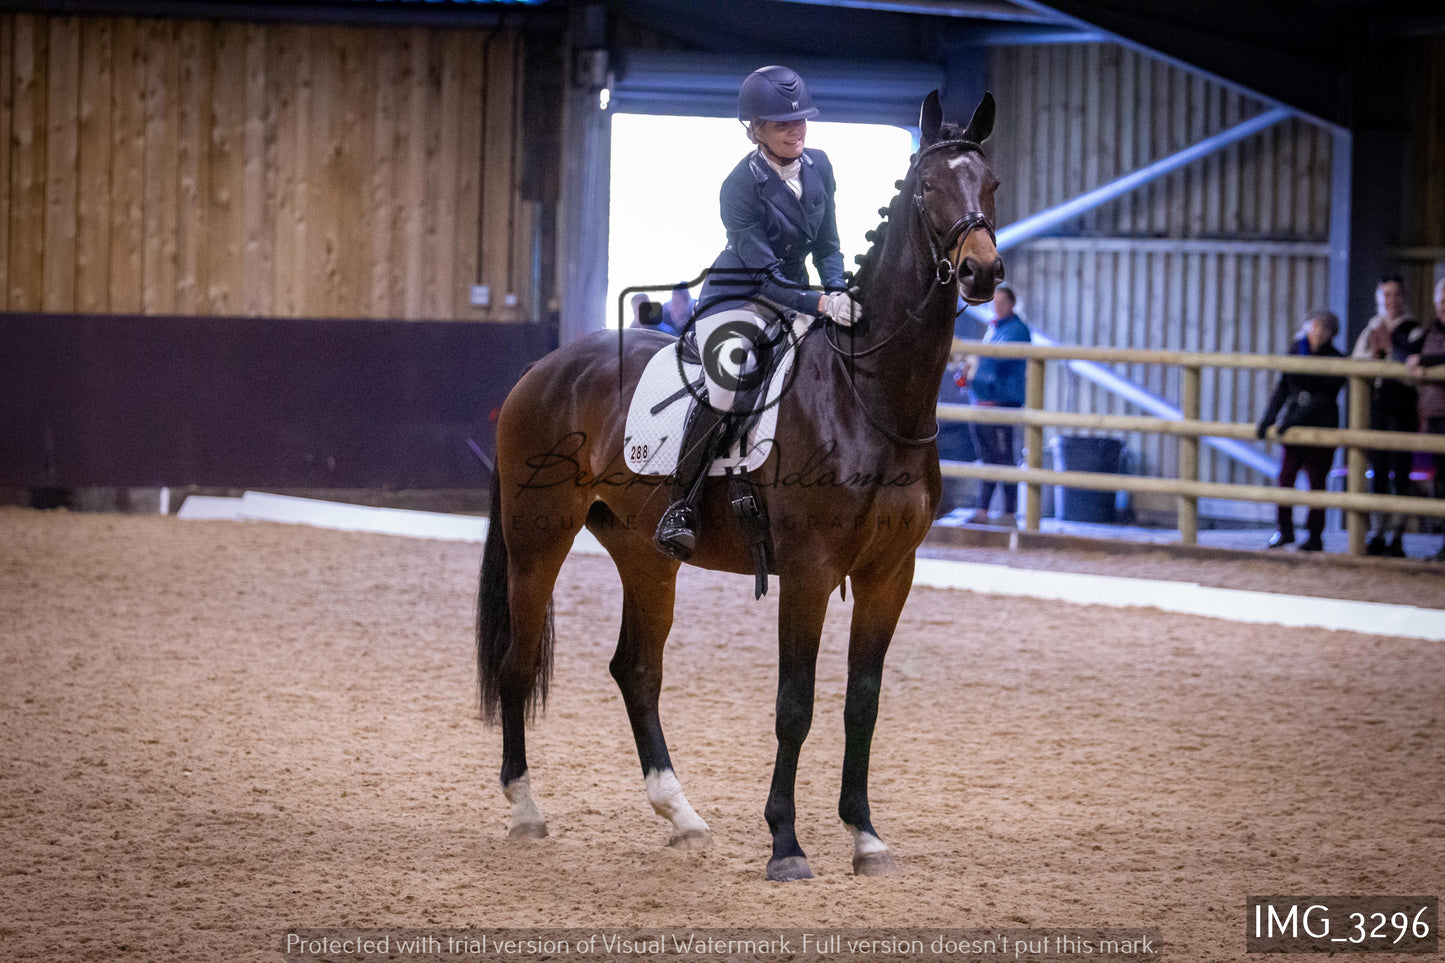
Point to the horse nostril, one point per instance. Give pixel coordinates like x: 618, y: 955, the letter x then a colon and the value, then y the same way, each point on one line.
x: 983, y: 275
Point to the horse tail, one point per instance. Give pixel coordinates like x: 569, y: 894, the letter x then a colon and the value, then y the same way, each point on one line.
x: 494, y: 622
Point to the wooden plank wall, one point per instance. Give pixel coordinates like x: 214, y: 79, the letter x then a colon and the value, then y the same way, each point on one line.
x: 1225, y: 255
x: 1429, y: 221
x: 1425, y: 220
x: 215, y: 168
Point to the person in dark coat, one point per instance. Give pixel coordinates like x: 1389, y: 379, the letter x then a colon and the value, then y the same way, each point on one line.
x: 1307, y: 400
x: 777, y: 205
x: 1391, y: 335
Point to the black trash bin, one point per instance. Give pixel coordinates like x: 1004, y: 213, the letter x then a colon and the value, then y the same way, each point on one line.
x: 1084, y: 453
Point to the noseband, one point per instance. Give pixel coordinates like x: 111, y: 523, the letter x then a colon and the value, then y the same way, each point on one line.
x: 939, y: 246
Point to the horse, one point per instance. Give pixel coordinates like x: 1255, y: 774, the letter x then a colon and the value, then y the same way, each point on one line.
x: 854, y: 455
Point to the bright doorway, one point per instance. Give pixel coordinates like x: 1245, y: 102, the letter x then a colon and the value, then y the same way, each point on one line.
x: 666, y: 172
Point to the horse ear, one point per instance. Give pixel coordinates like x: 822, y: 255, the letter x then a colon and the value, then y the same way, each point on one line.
x: 930, y: 119
x: 982, y: 124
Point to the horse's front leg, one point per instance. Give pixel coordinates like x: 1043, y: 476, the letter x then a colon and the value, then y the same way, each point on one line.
x: 802, y: 606
x: 648, y: 593
x: 878, y: 602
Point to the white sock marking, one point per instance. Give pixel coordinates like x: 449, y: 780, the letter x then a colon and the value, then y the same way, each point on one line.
x: 865, y: 843
x: 664, y: 792
x: 524, y: 808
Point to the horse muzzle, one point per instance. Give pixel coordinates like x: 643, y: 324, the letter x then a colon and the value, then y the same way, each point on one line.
x: 978, y: 276
x: 972, y: 257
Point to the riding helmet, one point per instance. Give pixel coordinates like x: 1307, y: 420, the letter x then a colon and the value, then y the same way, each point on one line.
x: 775, y: 93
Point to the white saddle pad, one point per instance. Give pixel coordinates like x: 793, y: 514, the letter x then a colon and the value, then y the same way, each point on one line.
x: 652, y: 441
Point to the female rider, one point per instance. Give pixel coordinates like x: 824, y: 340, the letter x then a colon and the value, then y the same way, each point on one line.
x: 777, y: 206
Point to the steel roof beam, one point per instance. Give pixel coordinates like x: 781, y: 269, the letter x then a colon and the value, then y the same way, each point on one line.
x: 1021, y: 231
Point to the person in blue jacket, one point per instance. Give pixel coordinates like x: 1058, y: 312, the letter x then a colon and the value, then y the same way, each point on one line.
x: 678, y: 310
x: 777, y: 207
x: 998, y: 382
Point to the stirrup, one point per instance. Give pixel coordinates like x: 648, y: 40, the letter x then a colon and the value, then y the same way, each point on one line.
x: 677, y: 531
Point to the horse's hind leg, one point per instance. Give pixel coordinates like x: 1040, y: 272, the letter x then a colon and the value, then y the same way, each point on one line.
x: 876, y: 608
x: 532, y: 572
x: 648, y: 590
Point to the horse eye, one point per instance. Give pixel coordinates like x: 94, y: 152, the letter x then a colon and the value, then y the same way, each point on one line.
x: 927, y: 184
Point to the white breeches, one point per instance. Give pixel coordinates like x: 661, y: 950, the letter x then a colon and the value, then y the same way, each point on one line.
x: 727, y: 343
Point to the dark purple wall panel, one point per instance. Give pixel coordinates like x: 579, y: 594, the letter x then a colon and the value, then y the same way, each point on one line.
x: 90, y: 400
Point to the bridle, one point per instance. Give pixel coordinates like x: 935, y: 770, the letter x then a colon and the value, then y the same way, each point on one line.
x: 945, y: 272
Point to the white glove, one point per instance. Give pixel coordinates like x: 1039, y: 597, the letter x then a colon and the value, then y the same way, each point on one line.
x: 840, y: 307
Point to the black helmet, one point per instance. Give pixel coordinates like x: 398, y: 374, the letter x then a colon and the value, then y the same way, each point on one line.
x: 775, y: 93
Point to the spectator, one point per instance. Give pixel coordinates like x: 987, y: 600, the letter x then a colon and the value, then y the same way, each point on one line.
x: 1391, y: 335
x: 647, y: 313
x: 677, y: 312
x: 1309, y: 400
x: 955, y: 438
x: 998, y: 382
x: 1432, y: 393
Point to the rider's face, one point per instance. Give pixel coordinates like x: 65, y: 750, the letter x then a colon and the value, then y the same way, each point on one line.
x: 783, y: 138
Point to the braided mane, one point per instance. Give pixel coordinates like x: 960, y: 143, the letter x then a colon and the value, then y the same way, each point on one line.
x: 868, y: 262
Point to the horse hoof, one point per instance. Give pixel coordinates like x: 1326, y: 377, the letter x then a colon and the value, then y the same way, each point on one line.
x: 875, y: 864
x: 692, y: 841
x: 788, y: 869
x: 527, y: 831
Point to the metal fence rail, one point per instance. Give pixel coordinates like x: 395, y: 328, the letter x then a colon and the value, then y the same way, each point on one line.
x: 1356, y: 439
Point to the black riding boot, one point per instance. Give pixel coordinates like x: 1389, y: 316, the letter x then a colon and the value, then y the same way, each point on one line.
x: 677, y: 531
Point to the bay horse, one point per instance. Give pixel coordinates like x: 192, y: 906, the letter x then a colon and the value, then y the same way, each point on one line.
x: 855, y: 436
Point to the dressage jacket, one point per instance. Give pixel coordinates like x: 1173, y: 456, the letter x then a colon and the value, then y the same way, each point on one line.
x: 771, y: 233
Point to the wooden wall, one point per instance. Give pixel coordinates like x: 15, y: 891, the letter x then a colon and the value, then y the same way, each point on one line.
x: 1225, y: 255
x: 214, y: 168
x: 1427, y: 225
x: 1425, y: 216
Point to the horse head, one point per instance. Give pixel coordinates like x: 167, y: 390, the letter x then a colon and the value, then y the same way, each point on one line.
x: 953, y: 191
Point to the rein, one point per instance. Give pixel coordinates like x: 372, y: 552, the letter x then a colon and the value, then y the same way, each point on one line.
x: 945, y: 272
x: 892, y: 436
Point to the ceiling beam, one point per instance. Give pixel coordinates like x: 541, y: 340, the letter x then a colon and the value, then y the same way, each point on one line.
x: 973, y: 9
x: 773, y: 30
x: 1326, y: 60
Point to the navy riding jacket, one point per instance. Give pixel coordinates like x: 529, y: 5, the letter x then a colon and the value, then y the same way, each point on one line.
x: 771, y: 233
